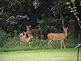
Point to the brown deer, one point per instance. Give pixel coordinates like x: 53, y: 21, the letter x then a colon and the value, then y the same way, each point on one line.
x: 25, y: 37
x: 35, y: 32
x: 58, y: 36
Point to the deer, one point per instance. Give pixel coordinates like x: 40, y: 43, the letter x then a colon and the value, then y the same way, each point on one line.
x: 58, y: 36
x: 35, y: 32
x: 25, y: 36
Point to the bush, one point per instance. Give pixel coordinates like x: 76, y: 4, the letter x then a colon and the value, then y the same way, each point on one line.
x: 3, y: 38
x: 71, y: 42
x: 8, y: 42
x: 12, y: 42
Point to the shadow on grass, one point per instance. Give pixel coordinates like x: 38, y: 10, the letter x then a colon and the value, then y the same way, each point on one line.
x: 32, y: 49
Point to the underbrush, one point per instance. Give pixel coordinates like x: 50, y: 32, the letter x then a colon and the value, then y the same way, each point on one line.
x: 36, y: 44
x: 8, y: 43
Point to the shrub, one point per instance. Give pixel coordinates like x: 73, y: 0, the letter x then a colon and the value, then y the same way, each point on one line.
x: 3, y: 38
x: 12, y: 42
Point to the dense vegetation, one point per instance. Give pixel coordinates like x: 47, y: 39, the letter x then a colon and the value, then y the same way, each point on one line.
x: 44, y: 14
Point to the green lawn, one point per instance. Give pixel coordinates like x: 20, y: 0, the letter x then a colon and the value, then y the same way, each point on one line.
x: 41, y: 55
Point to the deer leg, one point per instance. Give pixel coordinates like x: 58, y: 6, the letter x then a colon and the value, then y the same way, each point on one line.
x: 64, y: 44
x: 21, y: 43
x: 49, y: 43
x: 61, y: 43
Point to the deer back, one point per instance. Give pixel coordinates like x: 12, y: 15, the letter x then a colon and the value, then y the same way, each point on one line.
x: 60, y: 36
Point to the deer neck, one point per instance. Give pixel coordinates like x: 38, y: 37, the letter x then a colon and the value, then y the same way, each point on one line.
x: 66, y: 33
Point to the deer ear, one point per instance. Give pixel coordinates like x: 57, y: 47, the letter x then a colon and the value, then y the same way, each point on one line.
x: 26, y: 26
x: 29, y: 25
x: 67, y: 28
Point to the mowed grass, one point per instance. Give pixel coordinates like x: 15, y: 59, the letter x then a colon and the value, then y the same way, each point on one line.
x: 41, y: 55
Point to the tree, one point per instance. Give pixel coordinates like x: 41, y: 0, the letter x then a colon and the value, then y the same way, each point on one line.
x: 15, y: 14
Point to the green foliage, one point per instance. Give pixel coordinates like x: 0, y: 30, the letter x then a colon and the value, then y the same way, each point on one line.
x: 73, y: 8
x: 3, y: 38
x: 47, y: 15
x: 50, y: 11
x: 11, y: 43
x: 71, y: 42
x: 36, y: 3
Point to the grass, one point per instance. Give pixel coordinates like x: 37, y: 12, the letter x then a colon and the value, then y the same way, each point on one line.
x: 40, y: 55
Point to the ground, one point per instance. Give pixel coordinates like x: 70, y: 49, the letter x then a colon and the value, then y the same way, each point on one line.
x: 69, y: 54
